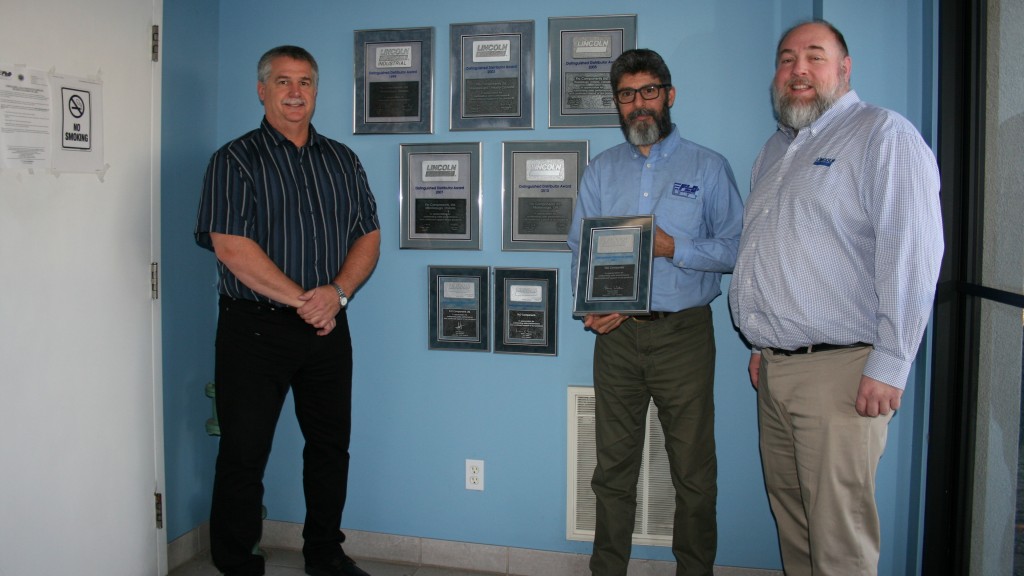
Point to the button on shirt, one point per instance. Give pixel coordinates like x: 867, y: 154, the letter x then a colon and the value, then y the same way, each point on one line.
x: 842, y: 238
x: 303, y: 206
x: 692, y: 194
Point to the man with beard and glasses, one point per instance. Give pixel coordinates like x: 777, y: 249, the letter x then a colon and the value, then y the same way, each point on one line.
x: 290, y: 216
x: 669, y: 354
x: 833, y: 288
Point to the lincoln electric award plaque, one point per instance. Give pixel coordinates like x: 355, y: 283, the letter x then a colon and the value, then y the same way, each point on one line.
x: 539, y: 188
x: 492, y: 76
x: 394, y: 81
x: 440, y: 196
x: 581, y: 51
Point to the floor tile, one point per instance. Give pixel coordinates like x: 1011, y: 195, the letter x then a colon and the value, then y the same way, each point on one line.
x: 282, y: 562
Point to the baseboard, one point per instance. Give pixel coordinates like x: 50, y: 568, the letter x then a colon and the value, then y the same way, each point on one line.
x: 440, y: 553
x: 190, y: 545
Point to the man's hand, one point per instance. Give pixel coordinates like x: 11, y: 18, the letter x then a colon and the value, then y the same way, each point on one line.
x: 875, y: 397
x: 664, y: 245
x: 754, y: 368
x: 604, y: 323
x: 319, y: 307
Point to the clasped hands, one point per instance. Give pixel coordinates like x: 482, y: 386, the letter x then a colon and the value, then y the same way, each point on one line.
x: 319, y: 308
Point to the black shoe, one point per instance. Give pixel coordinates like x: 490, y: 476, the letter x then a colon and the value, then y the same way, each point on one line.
x: 339, y: 565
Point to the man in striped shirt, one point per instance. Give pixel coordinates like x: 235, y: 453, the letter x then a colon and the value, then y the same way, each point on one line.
x: 833, y: 287
x: 291, y: 219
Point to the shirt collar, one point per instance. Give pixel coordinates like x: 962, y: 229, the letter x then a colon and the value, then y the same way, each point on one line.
x: 845, y: 102
x: 278, y: 138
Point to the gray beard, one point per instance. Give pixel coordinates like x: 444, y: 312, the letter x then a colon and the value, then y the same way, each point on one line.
x: 797, y: 115
x: 643, y: 134
x: 647, y: 134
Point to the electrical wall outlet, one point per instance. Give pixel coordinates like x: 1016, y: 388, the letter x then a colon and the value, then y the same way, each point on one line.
x: 475, y: 475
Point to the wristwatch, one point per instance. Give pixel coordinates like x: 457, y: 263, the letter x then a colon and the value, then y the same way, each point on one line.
x: 342, y: 297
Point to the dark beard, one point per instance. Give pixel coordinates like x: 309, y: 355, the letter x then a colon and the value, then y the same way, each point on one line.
x: 646, y: 133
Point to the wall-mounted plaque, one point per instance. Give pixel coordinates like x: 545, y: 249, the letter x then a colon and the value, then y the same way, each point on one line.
x: 459, y: 308
x: 492, y: 75
x: 440, y: 196
x: 581, y: 51
x: 614, y: 275
x: 540, y: 183
x: 394, y: 71
x: 526, y: 311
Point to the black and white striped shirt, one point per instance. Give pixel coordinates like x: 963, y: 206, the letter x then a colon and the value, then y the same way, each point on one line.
x: 303, y: 206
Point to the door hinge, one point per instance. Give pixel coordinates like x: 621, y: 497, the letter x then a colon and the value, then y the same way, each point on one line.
x: 155, y: 47
x: 154, y: 280
x: 159, y: 498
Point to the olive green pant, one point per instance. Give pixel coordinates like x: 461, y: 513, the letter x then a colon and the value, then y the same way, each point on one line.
x: 820, y: 459
x: 671, y: 360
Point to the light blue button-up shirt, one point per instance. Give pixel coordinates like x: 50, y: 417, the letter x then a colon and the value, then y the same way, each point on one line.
x: 692, y: 194
x: 842, y: 238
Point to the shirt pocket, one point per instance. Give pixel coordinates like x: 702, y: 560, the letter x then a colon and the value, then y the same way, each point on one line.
x: 679, y: 213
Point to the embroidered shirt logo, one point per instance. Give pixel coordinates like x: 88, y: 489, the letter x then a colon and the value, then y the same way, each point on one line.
x: 822, y: 161
x: 685, y: 190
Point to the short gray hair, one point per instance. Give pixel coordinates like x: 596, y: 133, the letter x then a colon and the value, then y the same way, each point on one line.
x: 293, y: 52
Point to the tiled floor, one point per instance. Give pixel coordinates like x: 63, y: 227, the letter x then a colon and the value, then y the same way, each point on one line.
x: 282, y: 562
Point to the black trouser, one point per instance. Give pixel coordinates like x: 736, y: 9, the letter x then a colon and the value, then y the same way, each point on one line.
x: 262, y: 352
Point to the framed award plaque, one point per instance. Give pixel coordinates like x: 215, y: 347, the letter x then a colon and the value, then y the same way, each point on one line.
x: 526, y: 311
x: 614, y: 275
x: 540, y: 183
x: 394, y: 87
x: 459, y: 310
x: 439, y: 193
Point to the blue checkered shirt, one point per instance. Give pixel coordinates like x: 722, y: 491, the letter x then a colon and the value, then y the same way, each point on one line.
x: 842, y: 238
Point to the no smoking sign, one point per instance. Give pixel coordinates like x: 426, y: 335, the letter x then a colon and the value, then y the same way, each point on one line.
x: 76, y: 133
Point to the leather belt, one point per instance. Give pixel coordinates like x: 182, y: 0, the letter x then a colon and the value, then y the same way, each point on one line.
x: 251, y: 305
x: 818, y: 348
x: 654, y: 315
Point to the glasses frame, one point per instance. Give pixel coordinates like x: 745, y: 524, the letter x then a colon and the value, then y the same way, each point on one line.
x: 620, y: 93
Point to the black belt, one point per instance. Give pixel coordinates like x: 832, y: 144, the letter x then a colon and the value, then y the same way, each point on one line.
x: 818, y: 348
x: 654, y: 315
x: 252, y: 305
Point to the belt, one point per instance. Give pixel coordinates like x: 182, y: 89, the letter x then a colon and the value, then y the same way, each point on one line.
x: 818, y: 348
x: 251, y: 305
x: 654, y: 315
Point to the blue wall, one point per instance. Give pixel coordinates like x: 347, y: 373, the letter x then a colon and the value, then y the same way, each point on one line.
x: 419, y: 414
x: 189, y: 135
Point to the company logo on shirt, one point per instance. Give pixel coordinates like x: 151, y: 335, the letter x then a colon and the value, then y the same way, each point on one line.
x: 685, y: 190
x: 822, y: 161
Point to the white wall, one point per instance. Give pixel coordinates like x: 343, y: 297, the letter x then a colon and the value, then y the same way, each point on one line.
x: 79, y: 447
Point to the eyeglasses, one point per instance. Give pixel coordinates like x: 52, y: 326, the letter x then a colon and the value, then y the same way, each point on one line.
x: 649, y: 92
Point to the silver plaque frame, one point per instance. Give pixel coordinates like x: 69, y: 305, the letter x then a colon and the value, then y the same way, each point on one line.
x: 581, y: 50
x: 439, y: 196
x: 492, y: 67
x: 526, y: 311
x: 540, y: 184
x: 394, y: 81
x: 459, y: 311
x: 616, y: 259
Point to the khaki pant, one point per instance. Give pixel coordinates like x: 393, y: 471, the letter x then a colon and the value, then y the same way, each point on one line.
x: 820, y: 459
